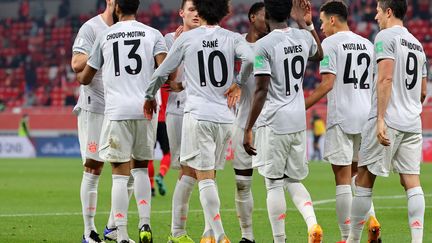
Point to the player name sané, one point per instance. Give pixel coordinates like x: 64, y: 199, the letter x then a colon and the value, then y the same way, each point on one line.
x: 354, y: 47
x: 210, y: 44
x: 129, y: 34
x: 293, y: 49
x: 411, y: 46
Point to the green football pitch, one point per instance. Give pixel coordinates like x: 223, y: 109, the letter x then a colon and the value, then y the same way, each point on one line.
x: 39, y: 202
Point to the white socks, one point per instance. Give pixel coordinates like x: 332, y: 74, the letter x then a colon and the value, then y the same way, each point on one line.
x: 210, y: 202
x: 244, y: 205
x: 302, y: 200
x: 88, y: 194
x: 276, y: 207
x: 142, y: 191
x: 343, y: 209
x: 416, y: 210
x: 180, y: 204
x: 360, y: 206
x: 120, y: 204
x: 371, y: 211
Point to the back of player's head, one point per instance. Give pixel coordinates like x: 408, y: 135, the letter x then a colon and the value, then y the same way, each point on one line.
x: 278, y: 10
x: 335, y: 8
x: 212, y: 11
x: 128, y: 7
x: 255, y: 8
x: 399, y: 7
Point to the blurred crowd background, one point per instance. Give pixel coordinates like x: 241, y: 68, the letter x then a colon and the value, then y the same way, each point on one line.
x: 36, y: 43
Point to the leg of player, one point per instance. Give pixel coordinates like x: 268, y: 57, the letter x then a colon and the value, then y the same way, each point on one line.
x: 343, y: 198
x: 210, y: 202
x: 361, y: 203
x: 303, y: 202
x: 416, y: 205
x: 276, y: 207
x: 142, y: 191
x: 119, y: 198
x: 180, y: 205
x: 244, y: 203
x: 151, y: 176
x: 162, y: 138
x: 88, y: 194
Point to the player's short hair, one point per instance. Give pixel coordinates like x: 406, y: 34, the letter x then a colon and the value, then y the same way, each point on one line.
x: 399, y: 7
x: 278, y: 10
x: 183, y: 3
x: 337, y: 8
x: 128, y: 7
x: 255, y: 8
x: 212, y: 11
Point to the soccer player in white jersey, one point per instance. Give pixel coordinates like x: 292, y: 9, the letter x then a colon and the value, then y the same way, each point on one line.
x: 392, y: 137
x: 90, y: 109
x: 174, y: 120
x: 242, y: 162
x: 347, y: 73
x: 208, y: 53
x: 127, y: 53
x: 280, y: 63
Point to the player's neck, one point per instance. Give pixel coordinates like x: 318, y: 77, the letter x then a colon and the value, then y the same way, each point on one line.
x: 107, y: 17
x: 126, y: 17
x: 252, y: 36
x: 341, y: 28
x: 277, y: 25
x: 394, y: 22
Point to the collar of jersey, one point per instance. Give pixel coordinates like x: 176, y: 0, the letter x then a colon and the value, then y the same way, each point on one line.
x: 284, y: 30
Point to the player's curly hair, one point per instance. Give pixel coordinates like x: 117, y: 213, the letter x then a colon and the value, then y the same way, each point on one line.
x: 255, y: 8
x: 278, y: 10
x: 399, y: 7
x: 128, y: 7
x: 337, y: 8
x: 212, y: 11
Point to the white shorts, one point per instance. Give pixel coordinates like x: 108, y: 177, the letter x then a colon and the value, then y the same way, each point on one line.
x: 174, y: 125
x: 403, y: 156
x: 122, y: 140
x: 341, y: 148
x: 204, y: 144
x: 280, y: 155
x: 242, y: 160
x: 89, y: 131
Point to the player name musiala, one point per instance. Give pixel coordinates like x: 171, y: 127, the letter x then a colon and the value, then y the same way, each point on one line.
x: 130, y: 34
x: 354, y: 47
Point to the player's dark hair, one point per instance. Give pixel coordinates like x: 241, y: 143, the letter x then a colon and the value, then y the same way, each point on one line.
x: 399, y: 7
x: 183, y: 3
x: 335, y: 8
x: 278, y: 10
x: 255, y: 8
x: 212, y: 11
x: 128, y: 7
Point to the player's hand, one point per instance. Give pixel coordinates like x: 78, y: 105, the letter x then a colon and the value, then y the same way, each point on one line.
x: 248, y: 141
x: 382, y: 133
x: 233, y: 95
x: 301, y: 12
x: 178, y: 32
x: 176, y: 87
x: 150, y: 108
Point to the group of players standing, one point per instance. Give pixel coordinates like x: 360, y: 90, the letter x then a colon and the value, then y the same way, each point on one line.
x: 375, y: 95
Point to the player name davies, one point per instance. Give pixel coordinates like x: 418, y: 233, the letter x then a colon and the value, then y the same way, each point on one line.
x: 129, y: 34
x: 411, y: 46
x: 354, y: 47
x: 293, y: 49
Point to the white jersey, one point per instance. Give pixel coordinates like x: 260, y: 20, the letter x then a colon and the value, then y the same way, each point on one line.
x: 126, y: 52
x: 410, y: 66
x: 208, y: 54
x: 176, y: 100
x: 349, y: 57
x: 246, y: 97
x: 91, y: 96
x: 283, y: 54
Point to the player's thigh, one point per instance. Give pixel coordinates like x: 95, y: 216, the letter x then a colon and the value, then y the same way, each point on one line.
x: 222, y: 136
x: 116, y: 141
x: 94, y: 127
x: 82, y: 132
x: 174, y: 125
x: 338, y: 146
x: 407, y: 158
x: 144, y: 132
x: 297, y: 163
x: 242, y: 160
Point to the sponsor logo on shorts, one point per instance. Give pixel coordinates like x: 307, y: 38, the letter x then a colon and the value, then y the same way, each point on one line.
x: 92, y: 147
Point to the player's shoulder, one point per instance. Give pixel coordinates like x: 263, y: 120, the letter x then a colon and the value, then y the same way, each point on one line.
x: 170, y: 35
x: 93, y: 23
x: 389, y: 33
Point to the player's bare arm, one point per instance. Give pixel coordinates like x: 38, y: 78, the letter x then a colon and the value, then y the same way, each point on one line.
x: 86, y: 76
x: 324, y: 87
x: 262, y: 83
x: 384, y: 88
x: 423, y: 90
x: 78, y: 62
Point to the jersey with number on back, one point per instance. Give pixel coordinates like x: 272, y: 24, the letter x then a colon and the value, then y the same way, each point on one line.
x: 126, y: 52
x: 176, y: 100
x: 410, y: 66
x: 283, y: 54
x: 349, y: 57
x: 91, y: 96
x: 247, y: 92
x: 208, y: 54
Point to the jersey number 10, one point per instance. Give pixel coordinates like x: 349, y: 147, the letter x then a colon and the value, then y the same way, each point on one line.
x: 211, y: 69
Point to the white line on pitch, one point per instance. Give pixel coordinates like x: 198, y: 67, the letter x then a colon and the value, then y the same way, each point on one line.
x: 318, y: 202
